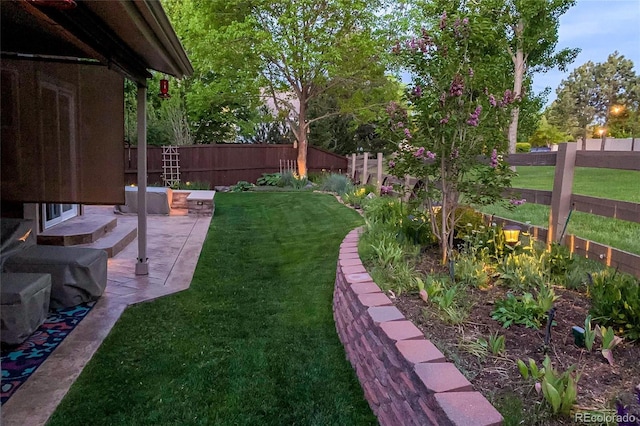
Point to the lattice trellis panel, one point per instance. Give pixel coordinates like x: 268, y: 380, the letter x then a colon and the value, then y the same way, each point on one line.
x: 170, y: 165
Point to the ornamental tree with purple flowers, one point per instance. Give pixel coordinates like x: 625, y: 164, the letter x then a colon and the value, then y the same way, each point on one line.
x: 455, y: 127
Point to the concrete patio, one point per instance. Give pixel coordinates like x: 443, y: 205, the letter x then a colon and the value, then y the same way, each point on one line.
x: 174, y: 245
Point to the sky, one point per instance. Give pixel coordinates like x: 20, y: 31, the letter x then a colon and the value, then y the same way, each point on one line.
x: 598, y: 28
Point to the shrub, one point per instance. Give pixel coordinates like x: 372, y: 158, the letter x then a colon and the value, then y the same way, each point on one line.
x: 470, y: 272
x: 335, y: 182
x: 291, y: 179
x: 523, y: 147
x: 615, y: 302
x: 521, y: 272
x: 558, y: 262
x: 417, y: 229
x: 241, y: 186
x: 523, y: 310
x: 269, y: 179
x: 385, y: 210
x: 357, y: 196
x: 467, y: 220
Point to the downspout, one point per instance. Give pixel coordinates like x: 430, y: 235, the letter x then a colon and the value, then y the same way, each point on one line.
x: 142, y: 265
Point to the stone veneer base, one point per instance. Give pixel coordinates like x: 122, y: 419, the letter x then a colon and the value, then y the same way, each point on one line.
x: 405, y: 378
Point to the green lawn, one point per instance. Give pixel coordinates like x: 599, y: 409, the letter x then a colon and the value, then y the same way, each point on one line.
x: 604, y: 183
x: 252, y: 342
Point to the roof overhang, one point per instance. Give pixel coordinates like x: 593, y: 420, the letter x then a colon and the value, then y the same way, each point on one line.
x: 129, y: 36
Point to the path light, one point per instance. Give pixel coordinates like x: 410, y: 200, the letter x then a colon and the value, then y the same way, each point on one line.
x: 511, y: 234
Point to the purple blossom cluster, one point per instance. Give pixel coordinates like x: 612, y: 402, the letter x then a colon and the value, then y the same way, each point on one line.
x: 517, y: 202
x: 507, y: 98
x: 494, y: 159
x: 417, y: 91
x: 386, y: 189
x: 459, y: 26
x: 443, y: 20
x: 392, y: 164
x: 445, y: 120
x: 407, y: 133
x: 474, y: 117
x: 492, y: 101
x: 421, y: 153
x: 457, y: 86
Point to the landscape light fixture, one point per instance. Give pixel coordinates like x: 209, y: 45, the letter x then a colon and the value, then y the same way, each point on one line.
x: 511, y: 234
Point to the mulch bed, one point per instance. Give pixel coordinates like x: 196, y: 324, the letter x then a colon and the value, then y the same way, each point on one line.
x: 600, y: 383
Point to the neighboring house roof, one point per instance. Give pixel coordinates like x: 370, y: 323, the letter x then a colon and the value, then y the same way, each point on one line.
x: 130, y: 36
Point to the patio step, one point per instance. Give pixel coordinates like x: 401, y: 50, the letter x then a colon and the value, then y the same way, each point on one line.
x: 116, y: 240
x: 84, y: 229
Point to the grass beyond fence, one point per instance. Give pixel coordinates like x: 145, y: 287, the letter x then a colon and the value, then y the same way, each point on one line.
x: 613, y: 184
x: 604, y: 183
x: 252, y: 342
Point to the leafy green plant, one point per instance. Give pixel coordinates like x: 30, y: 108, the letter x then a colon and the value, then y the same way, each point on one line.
x: 589, y: 333
x: 615, y: 302
x: 470, y: 272
x: 546, y: 297
x: 299, y: 182
x: 523, y: 310
x: 269, y: 179
x: 558, y: 261
x: 497, y: 343
x: 416, y: 228
x: 388, y: 251
x: 560, y: 389
x: 241, y: 186
x: 521, y: 272
x: 609, y: 341
x: 385, y: 210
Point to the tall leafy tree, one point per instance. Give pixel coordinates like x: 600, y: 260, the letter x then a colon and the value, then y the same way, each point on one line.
x: 530, y: 30
x: 615, y: 80
x: 297, y: 50
x: 592, y: 93
x: 547, y: 134
x: 459, y: 109
x: 222, y: 96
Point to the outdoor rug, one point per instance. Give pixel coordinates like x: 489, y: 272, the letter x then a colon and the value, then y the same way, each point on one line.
x: 19, y: 362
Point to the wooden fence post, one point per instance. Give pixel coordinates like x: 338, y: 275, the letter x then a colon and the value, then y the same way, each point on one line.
x: 365, y: 169
x: 562, y: 187
x: 353, y: 166
x: 379, y: 183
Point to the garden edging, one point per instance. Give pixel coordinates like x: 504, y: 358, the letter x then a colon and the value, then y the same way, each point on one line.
x: 405, y: 378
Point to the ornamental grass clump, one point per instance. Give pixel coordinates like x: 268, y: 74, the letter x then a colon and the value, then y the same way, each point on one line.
x: 455, y: 114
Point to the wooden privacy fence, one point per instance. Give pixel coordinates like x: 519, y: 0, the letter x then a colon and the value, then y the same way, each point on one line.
x: 226, y: 164
x: 561, y: 199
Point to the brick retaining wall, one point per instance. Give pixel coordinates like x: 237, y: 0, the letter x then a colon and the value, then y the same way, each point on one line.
x: 405, y: 378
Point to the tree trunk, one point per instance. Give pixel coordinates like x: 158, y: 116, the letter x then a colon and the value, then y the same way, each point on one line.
x: 519, y: 68
x: 301, y: 135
